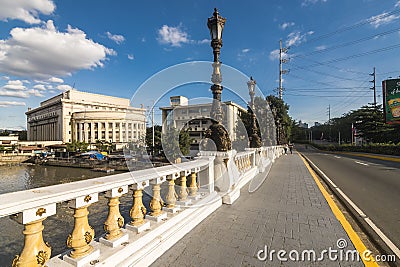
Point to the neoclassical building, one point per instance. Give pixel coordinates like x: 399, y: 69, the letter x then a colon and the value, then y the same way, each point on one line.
x: 86, y: 117
x: 195, y: 118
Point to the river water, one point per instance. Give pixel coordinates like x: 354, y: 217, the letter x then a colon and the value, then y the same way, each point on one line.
x: 57, y: 227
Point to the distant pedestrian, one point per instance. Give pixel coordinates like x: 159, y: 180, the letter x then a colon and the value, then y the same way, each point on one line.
x: 291, y: 148
x: 285, y: 148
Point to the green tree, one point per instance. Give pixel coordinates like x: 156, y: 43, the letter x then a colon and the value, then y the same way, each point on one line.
x: 184, y: 142
x: 22, y: 135
x: 175, y: 143
x: 76, y: 146
x: 5, y: 133
x: 283, y: 122
x: 264, y: 123
x: 157, y: 138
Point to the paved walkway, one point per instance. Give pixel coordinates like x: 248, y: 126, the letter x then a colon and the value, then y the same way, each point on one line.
x: 287, y: 212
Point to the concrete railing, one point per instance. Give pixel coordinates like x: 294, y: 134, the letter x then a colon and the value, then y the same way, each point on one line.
x: 148, y: 234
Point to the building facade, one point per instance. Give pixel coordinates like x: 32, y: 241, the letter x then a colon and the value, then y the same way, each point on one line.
x: 196, y: 118
x: 85, y: 117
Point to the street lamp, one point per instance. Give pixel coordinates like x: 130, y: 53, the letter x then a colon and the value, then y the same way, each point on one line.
x: 217, y: 131
x: 255, y: 141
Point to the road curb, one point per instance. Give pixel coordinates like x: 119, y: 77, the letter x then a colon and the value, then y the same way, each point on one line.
x: 372, y: 156
x: 358, y: 216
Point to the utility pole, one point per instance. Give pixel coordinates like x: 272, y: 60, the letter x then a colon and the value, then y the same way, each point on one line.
x: 374, y: 85
x: 329, y: 121
x: 282, y: 50
x: 152, y: 126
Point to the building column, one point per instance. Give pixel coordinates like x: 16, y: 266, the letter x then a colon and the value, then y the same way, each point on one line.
x: 80, y: 132
x: 121, y: 139
x: 127, y: 132
x: 86, y: 131
x: 106, y: 137
x: 92, y: 132
x: 132, y: 132
x: 114, y: 135
x: 99, y: 130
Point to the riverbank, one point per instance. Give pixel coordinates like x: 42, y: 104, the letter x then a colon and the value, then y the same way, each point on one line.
x: 12, y: 159
x: 117, y: 165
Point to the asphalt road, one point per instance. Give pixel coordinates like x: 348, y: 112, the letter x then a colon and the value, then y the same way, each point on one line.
x: 372, y: 184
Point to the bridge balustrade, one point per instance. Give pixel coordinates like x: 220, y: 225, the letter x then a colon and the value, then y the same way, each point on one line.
x: 189, y: 198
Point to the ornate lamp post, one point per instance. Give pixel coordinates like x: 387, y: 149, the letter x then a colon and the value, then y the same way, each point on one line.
x: 255, y: 141
x: 217, y: 132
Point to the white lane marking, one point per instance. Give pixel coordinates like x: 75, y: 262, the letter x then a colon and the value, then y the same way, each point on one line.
x: 362, y: 163
x: 338, y: 157
x: 388, y: 242
x: 378, y: 231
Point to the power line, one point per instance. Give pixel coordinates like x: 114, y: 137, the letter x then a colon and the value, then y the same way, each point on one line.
x: 357, y: 55
x: 329, y: 88
x: 323, y: 73
x: 354, y: 26
x: 333, y: 67
x: 348, y: 43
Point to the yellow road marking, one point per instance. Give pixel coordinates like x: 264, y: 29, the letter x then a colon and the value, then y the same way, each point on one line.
x: 371, y: 156
x: 355, y: 239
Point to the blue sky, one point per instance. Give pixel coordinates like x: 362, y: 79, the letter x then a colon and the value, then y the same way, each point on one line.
x: 113, y: 47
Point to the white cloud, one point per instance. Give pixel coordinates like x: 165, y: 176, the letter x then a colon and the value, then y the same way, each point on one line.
x: 143, y: 39
x: 16, y: 88
x: 285, y: 25
x: 274, y: 54
x: 131, y: 57
x: 321, y: 47
x: 311, y: 2
x: 45, y: 52
x: 56, y: 80
x: 40, y: 87
x: 397, y: 4
x: 382, y: 19
x: 13, y: 93
x: 173, y: 36
x: 296, y: 38
x: 35, y: 93
x: 6, y: 104
x: 26, y: 11
x: 245, y: 50
x: 64, y: 87
x: 115, y: 37
x: 14, y: 85
x: 204, y: 41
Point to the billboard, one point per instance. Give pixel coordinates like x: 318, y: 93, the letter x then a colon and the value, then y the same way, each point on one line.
x: 391, y: 100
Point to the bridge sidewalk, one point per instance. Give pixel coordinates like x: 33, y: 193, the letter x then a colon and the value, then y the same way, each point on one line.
x: 287, y: 212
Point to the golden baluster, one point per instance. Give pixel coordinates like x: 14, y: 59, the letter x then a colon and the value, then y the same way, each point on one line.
x: 114, y: 221
x: 183, y: 192
x: 156, y: 202
x: 193, y: 185
x: 82, y: 234
x: 35, y: 252
x: 138, y: 210
x: 171, y: 195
